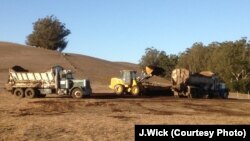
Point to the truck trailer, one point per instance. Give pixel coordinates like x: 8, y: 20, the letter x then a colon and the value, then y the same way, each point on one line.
x: 197, y: 85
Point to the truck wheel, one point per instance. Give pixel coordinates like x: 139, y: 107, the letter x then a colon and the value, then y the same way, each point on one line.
x: 30, y: 93
x: 190, y: 95
x: 181, y: 95
x: 225, y: 95
x: 176, y: 94
x: 119, y: 89
x: 135, y: 90
x: 77, y: 93
x: 19, y: 92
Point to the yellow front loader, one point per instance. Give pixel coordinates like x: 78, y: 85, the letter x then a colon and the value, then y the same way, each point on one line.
x: 129, y: 82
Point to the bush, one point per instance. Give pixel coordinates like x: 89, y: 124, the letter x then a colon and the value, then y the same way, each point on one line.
x: 242, y: 86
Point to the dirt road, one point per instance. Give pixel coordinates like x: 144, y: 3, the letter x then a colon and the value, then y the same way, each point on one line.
x: 108, y: 117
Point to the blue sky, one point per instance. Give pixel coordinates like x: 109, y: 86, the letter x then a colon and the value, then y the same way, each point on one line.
x: 120, y: 30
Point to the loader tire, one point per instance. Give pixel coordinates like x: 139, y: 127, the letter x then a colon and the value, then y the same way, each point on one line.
x: 119, y: 89
x: 19, y: 93
x: 135, y: 90
x: 30, y: 93
x: 77, y: 93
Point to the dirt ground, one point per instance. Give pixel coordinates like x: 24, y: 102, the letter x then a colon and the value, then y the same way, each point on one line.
x: 105, y: 116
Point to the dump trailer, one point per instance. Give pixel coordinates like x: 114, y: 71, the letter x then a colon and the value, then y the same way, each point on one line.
x: 55, y: 81
x: 197, y: 85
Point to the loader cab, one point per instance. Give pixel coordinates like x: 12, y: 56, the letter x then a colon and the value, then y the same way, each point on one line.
x: 128, y: 76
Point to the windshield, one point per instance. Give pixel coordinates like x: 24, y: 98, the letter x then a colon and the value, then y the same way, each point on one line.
x: 69, y: 76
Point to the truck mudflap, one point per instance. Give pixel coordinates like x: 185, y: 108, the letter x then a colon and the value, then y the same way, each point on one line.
x: 87, y: 91
x: 8, y: 87
x: 224, y: 93
x: 87, y: 87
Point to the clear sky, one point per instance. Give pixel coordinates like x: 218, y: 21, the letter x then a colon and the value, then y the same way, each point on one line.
x: 120, y: 30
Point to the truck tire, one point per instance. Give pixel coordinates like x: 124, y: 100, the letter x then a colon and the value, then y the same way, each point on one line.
x: 181, y: 95
x: 30, y: 93
x: 135, y: 90
x: 18, y: 92
x: 77, y: 93
x: 176, y: 94
x: 190, y: 95
x: 119, y: 89
x: 194, y: 94
x: 225, y: 95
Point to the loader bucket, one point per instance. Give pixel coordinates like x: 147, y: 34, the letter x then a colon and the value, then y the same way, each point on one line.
x: 149, y: 70
x: 153, y: 70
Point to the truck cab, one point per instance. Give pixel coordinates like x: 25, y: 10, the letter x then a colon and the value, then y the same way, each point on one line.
x: 66, y: 84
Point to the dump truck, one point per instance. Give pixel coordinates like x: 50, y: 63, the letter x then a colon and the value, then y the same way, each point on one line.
x: 55, y: 81
x: 197, y: 85
x: 131, y: 83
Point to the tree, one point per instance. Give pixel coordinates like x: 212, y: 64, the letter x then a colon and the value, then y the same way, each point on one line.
x: 156, y: 58
x: 229, y: 59
x: 48, y: 33
x: 150, y: 58
x: 194, y: 59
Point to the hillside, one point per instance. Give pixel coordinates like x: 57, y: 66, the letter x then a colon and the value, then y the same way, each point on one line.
x: 39, y: 60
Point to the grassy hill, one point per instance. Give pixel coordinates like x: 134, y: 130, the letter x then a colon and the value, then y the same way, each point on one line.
x: 39, y: 60
x: 99, y: 71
